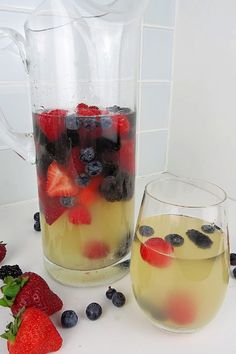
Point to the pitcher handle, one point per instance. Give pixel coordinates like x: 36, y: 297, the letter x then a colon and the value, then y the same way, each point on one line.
x: 21, y: 143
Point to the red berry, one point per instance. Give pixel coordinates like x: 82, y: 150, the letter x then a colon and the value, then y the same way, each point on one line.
x: 81, y: 105
x: 95, y: 250
x: 127, y: 156
x: 3, y: 251
x: 157, y: 252
x: 52, y: 123
x: 123, y: 124
x: 59, y: 184
x: 87, y: 196
x: 181, y: 308
x: 79, y: 215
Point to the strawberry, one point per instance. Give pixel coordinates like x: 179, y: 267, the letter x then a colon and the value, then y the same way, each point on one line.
x: 59, y: 183
x: 32, y: 332
x: 181, y: 309
x: 127, y: 156
x: 52, y: 123
x: 3, y: 251
x: 122, y: 124
x: 95, y: 250
x: 156, y: 252
x: 79, y: 215
x: 29, y: 290
x: 87, y: 196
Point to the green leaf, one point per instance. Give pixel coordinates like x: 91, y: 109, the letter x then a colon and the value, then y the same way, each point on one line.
x: 3, y: 302
x: 11, y: 291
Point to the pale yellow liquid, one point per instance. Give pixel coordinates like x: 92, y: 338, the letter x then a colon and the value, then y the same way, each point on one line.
x: 201, y: 273
x: 63, y: 242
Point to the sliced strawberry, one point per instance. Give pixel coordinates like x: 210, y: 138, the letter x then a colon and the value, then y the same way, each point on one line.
x: 127, y: 156
x: 156, y: 251
x: 182, y: 308
x: 59, y: 183
x: 52, y: 210
x: 79, y: 215
x: 52, y: 123
x: 95, y: 250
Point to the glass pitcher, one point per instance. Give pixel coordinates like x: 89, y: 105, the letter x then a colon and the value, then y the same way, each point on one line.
x: 81, y: 59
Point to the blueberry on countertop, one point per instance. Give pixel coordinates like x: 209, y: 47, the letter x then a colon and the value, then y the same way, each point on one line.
x: 233, y: 259
x: 69, y: 319
x: 93, y: 311
x: 37, y: 226
x: 36, y: 216
x: 118, y: 299
x: 110, y: 292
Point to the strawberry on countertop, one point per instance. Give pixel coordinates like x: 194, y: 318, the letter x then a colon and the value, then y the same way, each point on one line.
x: 32, y: 332
x: 29, y: 290
x: 3, y: 251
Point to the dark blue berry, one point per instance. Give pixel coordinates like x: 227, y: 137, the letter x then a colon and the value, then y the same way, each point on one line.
x: 233, y: 259
x: 93, y: 311
x: 87, y: 154
x: 199, y: 239
x: 234, y: 272
x: 83, y: 180
x: 110, y: 292
x: 209, y: 229
x: 175, y: 240
x: 89, y: 123
x: 146, y: 230
x: 118, y: 299
x: 72, y: 122
x: 67, y: 202
x: 106, y: 122
x: 69, y: 319
x: 93, y: 168
x: 119, y: 187
x: 37, y: 226
x: 113, y: 109
x: 36, y: 216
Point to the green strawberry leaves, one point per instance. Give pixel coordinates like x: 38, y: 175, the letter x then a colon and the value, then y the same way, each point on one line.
x: 13, y: 327
x: 10, y: 289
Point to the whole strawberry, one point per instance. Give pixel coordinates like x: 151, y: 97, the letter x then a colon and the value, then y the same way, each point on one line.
x: 29, y: 290
x: 3, y: 251
x: 32, y: 332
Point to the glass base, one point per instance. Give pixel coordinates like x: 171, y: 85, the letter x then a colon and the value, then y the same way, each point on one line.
x: 79, y: 278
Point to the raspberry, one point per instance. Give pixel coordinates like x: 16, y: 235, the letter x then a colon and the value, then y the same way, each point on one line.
x: 95, y: 250
x: 181, y: 309
x: 79, y: 215
x: 156, y: 252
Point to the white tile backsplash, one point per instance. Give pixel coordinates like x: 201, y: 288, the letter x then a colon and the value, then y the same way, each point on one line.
x: 160, y: 12
x: 152, y: 152
x: 155, y: 105
x: 157, y: 54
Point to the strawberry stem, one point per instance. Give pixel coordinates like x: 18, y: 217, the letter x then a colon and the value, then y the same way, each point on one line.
x: 13, y: 327
x: 10, y: 289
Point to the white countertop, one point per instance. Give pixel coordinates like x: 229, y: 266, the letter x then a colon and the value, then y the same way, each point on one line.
x: 118, y: 331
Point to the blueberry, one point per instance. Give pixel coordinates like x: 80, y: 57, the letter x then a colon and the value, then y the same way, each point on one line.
x: 117, y: 188
x: 89, y: 123
x: 93, y: 311
x: 110, y: 292
x: 59, y: 150
x: 146, y: 230
x: 67, y: 202
x: 87, y: 154
x: 37, y: 216
x: 93, y: 168
x: 233, y: 259
x: 37, y: 226
x: 199, y: 239
x: 69, y: 319
x: 106, y: 122
x: 83, y: 180
x: 72, y: 122
x: 118, y: 299
x: 209, y: 229
x: 175, y: 240
x: 234, y: 272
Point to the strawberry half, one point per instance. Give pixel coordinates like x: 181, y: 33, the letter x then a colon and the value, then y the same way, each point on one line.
x: 59, y: 184
x: 95, y: 250
x: 79, y: 215
x: 32, y: 332
x: 3, y: 251
x: 52, y: 123
x: 181, y: 308
x: 156, y: 251
x: 29, y: 290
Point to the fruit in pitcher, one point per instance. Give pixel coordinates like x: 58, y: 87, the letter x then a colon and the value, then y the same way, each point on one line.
x: 72, y: 122
x: 199, y: 239
x: 127, y: 156
x: 157, y: 252
x: 59, y: 184
x: 175, y: 240
x: 87, y: 155
x: 13, y: 271
x: 52, y: 123
x: 117, y: 188
x: 93, y: 168
x: 93, y: 311
x: 79, y: 215
x: 32, y: 332
x: 123, y: 124
x: 67, y: 202
x: 95, y: 250
x: 3, y: 251
x: 29, y: 290
x: 83, y: 180
x: 181, y: 309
